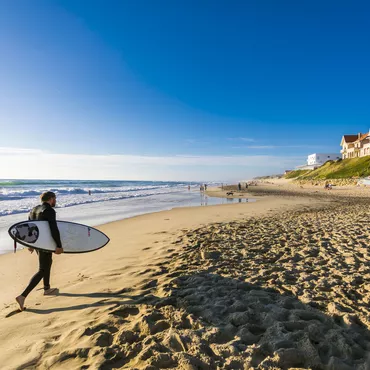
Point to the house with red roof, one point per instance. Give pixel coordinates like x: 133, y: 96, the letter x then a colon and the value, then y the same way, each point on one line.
x: 354, y: 146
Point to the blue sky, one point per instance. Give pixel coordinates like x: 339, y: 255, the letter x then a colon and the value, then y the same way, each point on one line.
x: 247, y: 87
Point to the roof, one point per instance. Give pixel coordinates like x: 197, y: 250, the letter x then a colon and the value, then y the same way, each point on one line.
x: 350, y: 138
x: 364, y: 136
x: 353, y: 138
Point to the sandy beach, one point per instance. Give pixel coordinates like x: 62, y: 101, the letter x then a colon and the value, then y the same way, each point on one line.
x: 282, y: 283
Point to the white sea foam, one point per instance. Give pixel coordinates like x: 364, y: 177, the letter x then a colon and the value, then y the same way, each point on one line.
x: 20, y: 196
x: 109, y: 201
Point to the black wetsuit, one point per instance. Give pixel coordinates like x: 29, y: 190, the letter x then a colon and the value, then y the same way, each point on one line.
x: 44, y: 212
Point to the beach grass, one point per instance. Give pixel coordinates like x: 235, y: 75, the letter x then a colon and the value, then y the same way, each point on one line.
x: 340, y: 169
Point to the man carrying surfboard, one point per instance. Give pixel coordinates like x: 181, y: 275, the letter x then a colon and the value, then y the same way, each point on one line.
x: 43, y: 212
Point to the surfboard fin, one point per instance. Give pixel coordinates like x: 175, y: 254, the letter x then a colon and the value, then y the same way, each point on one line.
x: 15, y: 246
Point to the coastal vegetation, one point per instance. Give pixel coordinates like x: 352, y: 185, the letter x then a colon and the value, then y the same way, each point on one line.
x: 341, y: 169
x: 295, y: 174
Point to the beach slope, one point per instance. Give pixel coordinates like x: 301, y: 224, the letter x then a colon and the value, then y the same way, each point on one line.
x: 280, y: 283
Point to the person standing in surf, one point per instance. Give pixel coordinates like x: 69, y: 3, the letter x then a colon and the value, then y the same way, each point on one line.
x: 43, y: 212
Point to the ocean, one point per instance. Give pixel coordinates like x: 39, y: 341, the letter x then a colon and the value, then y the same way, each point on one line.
x: 109, y: 200
x: 18, y: 196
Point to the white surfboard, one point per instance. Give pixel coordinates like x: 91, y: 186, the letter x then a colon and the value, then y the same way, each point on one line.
x: 76, y: 238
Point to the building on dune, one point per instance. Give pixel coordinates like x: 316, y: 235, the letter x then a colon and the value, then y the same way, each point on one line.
x: 354, y: 146
x: 316, y: 160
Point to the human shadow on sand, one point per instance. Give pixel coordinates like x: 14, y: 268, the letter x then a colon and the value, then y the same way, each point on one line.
x: 104, y: 295
x: 109, y: 299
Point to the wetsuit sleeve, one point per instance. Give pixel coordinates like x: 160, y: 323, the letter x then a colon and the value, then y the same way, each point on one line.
x: 49, y: 215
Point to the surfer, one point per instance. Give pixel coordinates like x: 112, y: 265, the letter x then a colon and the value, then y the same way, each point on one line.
x: 43, y: 212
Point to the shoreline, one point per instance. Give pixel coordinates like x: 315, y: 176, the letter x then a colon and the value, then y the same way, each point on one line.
x: 113, y: 211
x: 178, y: 280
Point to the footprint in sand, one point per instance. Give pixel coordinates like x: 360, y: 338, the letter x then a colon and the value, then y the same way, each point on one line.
x: 162, y: 271
x: 126, y: 311
x: 149, y: 285
x: 100, y: 327
x: 143, y: 272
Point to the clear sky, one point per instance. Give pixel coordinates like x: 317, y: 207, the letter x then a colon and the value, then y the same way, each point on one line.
x: 177, y: 90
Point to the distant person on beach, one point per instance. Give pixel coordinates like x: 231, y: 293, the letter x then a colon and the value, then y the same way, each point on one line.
x: 205, y: 187
x: 43, y: 212
x: 189, y: 187
x: 239, y: 186
x: 201, y: 188
x: 327, y: 186
x: 89, y: 192
x: 246, y: 185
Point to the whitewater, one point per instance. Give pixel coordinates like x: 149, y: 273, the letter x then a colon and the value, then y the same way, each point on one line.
x: 109, y: 200
x: 18, y: 196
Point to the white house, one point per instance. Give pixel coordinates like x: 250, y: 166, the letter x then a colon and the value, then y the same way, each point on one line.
x: 318, y: 159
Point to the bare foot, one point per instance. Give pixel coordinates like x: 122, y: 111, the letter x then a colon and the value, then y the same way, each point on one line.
x: 51, y: 291
x: 20, y: 300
